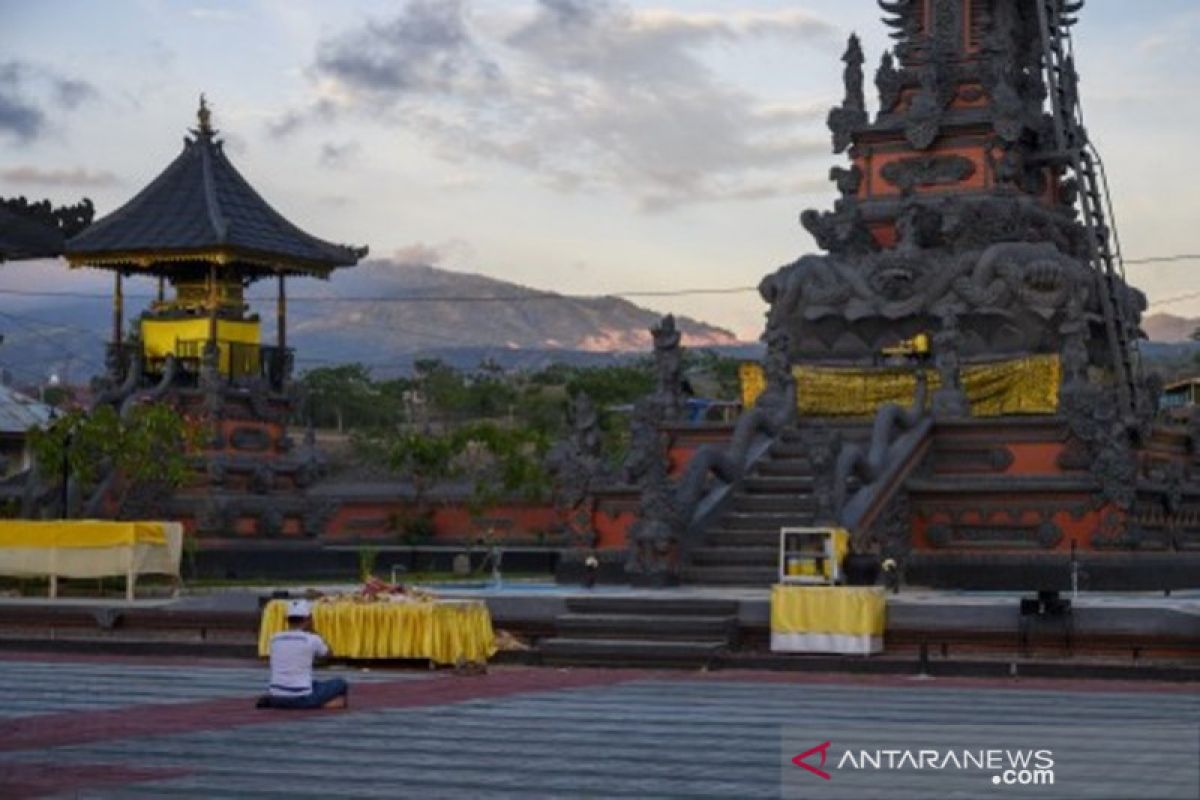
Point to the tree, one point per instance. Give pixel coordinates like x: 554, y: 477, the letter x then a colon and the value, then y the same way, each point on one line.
x: 145, y: 450
x: 341, y: 395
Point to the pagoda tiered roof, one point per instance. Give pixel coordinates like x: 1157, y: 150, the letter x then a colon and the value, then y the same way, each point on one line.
x: 201, y: 209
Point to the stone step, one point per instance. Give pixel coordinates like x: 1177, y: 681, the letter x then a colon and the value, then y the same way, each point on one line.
x: 777, y: 484
x: 637, y: 626
x: 774, y: 503
x: 569, y: 651
x: 785, y: 467
x: 731, y: 576
x: 737, y: 539
x: 854, y: 431
x: 745, y: 555
x: 652, y: 606
x: 762, y: 520
x: 796, y: 451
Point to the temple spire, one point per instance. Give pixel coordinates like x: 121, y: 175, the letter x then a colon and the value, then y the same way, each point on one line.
x: 852, y: 113
x: 204, y: 117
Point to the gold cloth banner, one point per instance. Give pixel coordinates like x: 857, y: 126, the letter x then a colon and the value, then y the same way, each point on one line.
x: 443, y: 631
x: 1018, y: 386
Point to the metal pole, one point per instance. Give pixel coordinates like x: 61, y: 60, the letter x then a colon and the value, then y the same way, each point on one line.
x: 66, y: 477
x: 281, y: 315
x: 118, y: 310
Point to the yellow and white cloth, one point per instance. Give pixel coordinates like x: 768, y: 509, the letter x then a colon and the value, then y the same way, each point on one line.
x: 89, y: 549
x: 443, y: 631
x: 828, y: 619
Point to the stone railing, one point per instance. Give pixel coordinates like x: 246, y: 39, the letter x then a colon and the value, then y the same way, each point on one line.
x: 714, y: 472
x: 899, y: 436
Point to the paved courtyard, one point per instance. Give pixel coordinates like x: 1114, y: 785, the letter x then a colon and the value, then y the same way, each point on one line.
x: 130, y: 728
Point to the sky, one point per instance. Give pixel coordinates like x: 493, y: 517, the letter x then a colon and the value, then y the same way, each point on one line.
x: 580, y: 146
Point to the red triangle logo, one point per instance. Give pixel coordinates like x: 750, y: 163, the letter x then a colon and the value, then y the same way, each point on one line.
x: 823, y: 750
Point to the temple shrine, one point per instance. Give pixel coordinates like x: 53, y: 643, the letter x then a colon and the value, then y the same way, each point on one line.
x: 955, y: 379
x: 205, y: 235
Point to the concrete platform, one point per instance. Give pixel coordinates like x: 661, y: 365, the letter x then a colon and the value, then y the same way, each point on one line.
x: 976, y: 633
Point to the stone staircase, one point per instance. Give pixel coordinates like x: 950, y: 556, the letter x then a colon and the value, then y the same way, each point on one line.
x: 742, y: 548
x: 647, y: 631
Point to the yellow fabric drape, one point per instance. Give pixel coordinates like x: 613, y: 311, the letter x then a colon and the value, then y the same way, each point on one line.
x: 79, y: 533
x: 1018, y: 386
x: 845, y: 610
x: 443, y: 631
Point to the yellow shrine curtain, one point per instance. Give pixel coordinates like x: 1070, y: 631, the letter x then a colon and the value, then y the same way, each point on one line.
x: 1017, y: 386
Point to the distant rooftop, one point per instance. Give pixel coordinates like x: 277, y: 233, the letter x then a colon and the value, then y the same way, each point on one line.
x: 200, y: 208
x: 19, y: 413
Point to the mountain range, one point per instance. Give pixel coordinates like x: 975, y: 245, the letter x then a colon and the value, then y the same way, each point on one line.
x: 383, y: 314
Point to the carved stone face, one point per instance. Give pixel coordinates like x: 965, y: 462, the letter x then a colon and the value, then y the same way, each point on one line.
x: 894, y: 279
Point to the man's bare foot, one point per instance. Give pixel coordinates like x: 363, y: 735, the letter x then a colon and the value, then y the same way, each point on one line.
x: 337, y: 702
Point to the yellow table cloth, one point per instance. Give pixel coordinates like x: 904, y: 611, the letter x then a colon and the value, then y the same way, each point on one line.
x: 89, y: 549
x: 828, y: 619
x: 443, y: 631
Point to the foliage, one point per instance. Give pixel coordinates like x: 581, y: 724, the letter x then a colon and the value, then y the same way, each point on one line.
x: 367, y: 558
x: 425, y: 457
x: 337, y: 395
x: 147, y: 448
x: 515, y: 465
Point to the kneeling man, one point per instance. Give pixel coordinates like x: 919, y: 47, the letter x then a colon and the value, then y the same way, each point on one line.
x: 292, y: 655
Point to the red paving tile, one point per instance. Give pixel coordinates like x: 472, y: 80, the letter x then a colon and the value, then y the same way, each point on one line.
x: 25, y: 780
x: 52, y: 730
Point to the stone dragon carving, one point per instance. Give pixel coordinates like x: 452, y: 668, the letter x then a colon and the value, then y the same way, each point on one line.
x: 869, y: 463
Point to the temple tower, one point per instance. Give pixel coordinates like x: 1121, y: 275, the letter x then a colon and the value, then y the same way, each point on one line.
x: 972, y: 207
x: 206, y: 235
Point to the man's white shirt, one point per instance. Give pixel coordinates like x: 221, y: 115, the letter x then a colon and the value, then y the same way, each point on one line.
x: 292, y: 654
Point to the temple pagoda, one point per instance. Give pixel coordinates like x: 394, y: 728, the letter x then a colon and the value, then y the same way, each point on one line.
x: 955, y: 379
x: 206, y: 235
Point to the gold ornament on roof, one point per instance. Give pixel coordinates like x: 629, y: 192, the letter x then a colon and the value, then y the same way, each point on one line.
x: 204, y: 115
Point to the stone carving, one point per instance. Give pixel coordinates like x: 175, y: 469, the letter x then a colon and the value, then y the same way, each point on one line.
x: 848, y: 181
x: 909, y: 173
x: 270, y: 522
x: 668, y: 362
x: 654, y: 537
x: 869, y: 462
x: 316, y: 516
x: 949, y: 401
x: 889, y: 82
x: 1092, y: 416
x: 645, y: 442
x: 852, y: 113
x: 891, y: 536
x: 578, y: 468
x: 824, y: 447
x: 255, y: 440
x: 1045, y: 535
x: 1023, y: 285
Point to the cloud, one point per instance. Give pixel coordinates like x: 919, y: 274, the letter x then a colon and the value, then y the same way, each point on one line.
x: 25, y: 90
x: 77, y: 176
x: 585, y: 94
x: 418, y: 254
x: 423, y: 254
x: 426, y: 48
x: 338, y: 156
